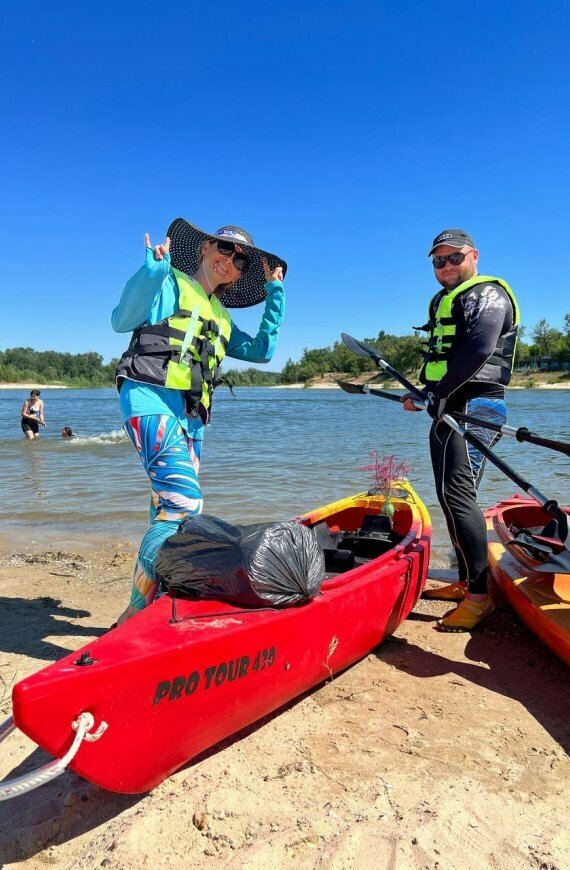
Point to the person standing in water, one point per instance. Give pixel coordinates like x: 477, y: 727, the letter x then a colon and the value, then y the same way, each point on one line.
x: 177, y: 307
x: 33, y: 416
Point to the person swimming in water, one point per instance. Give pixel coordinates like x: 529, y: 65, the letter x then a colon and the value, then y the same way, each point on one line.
x: 67, y: 432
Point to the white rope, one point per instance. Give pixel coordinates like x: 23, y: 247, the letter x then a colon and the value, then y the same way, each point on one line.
x: 6, y: 728
x: 22, y: 784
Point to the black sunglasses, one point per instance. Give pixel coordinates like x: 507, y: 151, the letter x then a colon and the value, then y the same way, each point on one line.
x: 455, y: 259
x: 240, y: 260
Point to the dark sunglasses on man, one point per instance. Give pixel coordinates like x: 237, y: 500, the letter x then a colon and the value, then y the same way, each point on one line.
x: 455, y: 259
x: 240, y: 260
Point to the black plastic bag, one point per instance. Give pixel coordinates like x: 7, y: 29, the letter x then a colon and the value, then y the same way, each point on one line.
x: 261, y: 565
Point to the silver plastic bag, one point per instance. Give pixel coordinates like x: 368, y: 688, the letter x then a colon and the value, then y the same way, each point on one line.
x: 261, y: 565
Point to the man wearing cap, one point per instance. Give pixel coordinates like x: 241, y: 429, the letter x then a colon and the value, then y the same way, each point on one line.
x: 468, y: 358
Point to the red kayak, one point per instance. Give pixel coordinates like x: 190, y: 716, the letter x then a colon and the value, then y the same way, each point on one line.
x: 167, y: 689
x: 519, y: 545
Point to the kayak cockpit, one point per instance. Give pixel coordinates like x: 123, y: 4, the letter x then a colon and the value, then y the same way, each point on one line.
x: 528, y: 528
x: 346, y: 550
x: 354, y: 534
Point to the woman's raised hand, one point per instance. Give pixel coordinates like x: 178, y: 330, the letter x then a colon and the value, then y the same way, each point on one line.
x: 271, y: 275
x: 159, y: 250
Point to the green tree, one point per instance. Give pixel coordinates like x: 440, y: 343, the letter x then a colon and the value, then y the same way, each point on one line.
x: 546, y: 338
x: 566, y: 330
x: 251, y: 377
x: 290, y: 373
x: 307, y: 371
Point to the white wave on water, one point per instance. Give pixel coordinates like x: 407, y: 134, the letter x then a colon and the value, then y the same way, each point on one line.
x: 115, y: 436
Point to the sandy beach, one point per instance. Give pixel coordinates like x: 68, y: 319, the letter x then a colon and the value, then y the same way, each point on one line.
x: 31, y: 386
x: 553, y: 386
x: 317, y: 385
x: 331, y: 385
x: 435, y: 751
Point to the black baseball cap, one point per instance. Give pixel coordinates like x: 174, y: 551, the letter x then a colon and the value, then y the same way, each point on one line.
x: 454, y: 238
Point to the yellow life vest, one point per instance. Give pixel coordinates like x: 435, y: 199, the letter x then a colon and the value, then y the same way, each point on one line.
x: 444, y: 336
x: 183, y: 351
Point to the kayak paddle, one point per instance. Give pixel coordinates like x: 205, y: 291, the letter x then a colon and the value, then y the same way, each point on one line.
x: 550, y: 506
x: 521, y: 434
x: 364, y: 388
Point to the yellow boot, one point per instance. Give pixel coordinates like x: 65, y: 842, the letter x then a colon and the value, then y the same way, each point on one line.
x: 468, y: 615
x: 452, y: 592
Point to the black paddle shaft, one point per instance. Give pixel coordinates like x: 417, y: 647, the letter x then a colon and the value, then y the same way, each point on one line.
x: 521, y: 434
x: 550, y: 506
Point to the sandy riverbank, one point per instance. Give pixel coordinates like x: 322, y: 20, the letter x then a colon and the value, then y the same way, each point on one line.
x: 31, y: 386
x: 328, y: 385
x: 565, y: 386
x: 318, y: 385
x: 436, y: 751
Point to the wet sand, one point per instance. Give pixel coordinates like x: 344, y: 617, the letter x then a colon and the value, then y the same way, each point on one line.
x: 435, y: 751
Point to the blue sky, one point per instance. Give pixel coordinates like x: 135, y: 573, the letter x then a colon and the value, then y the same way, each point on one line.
x: 343, y: 136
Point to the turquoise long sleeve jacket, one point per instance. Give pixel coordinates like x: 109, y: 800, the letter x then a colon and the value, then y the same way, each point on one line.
x: 150, y: 296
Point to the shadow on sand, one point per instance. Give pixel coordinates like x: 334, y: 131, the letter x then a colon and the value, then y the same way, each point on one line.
x: 25, y: 623
x: 58, y: 811
x: 504, y: 658
x: 67, y: 806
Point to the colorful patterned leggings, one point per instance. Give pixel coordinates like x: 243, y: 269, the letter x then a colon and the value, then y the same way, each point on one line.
x: 172, y: 462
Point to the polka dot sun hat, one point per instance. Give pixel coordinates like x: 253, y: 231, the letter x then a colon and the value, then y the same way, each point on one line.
x: 186, y: 241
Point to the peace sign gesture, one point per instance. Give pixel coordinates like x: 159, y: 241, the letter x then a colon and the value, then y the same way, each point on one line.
x: 159, y: 250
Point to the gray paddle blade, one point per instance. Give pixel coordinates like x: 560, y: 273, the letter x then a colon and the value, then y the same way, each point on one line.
x: 360, y: 348
x: 555, y: 563
x: 561, y: 519
x: 558, y: 564
x: 351, y: 388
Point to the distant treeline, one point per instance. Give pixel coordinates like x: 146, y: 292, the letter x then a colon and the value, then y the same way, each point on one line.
x: 23, y: 364
x: 547, y: 340
x: 404, y: 353
x: 252, y: 378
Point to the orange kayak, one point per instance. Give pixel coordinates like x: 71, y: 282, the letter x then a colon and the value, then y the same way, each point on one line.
x: 540, y: 596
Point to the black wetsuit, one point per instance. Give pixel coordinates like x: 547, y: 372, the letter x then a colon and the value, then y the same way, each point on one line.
x: 485, y: 312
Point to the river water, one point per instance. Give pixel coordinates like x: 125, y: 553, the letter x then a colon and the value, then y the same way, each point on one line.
x: 270, y: 454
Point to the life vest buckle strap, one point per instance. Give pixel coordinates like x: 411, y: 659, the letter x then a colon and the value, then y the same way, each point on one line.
x: 151, y: 350
x: 222, y: 379
x: 161, y: 330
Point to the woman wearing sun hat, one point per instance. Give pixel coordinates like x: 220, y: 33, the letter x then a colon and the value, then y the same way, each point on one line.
x: 176, y: 305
